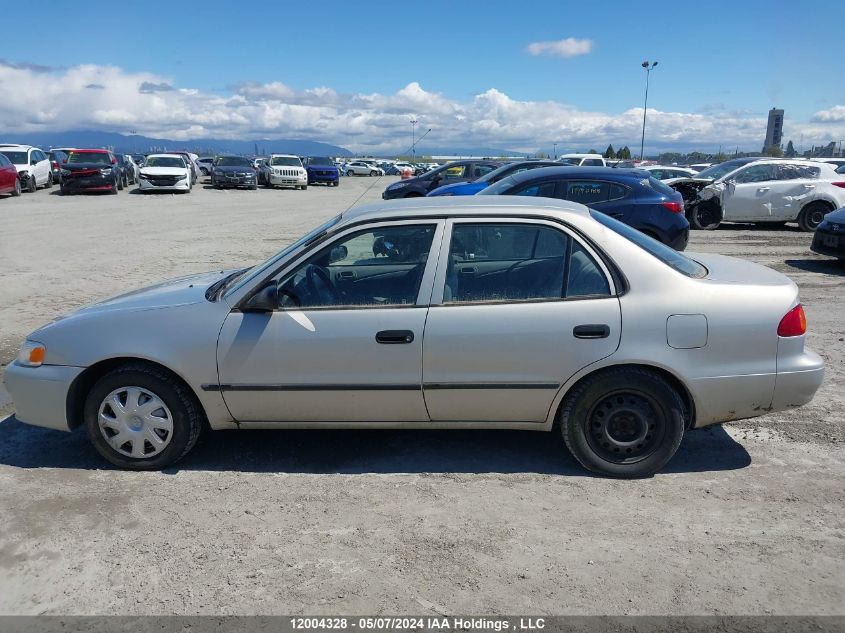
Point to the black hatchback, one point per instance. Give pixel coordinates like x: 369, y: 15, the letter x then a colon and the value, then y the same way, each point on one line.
x: 631, y: 196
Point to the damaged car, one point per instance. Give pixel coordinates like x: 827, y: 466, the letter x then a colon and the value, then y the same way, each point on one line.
x: 761, y: 191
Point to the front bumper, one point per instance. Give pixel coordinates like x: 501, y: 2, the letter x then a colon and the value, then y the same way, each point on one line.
x: 223, y: 180
x: 320, y: 175
x: 164, y: 185
x: 80, y: 184
x: 40, y: 393
x: 829, y: 243
x: 288, y: 181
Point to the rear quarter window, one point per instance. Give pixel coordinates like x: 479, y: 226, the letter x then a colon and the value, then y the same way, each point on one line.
x: 667, y: 255
x: 659, y: 186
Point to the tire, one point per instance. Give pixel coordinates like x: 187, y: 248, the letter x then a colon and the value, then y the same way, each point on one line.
x: 812, y: 215
x: 49, y: 184
x: 115, y: 188
x: 181, y: 409
x: 705, y: 216
x: 350, y: 173
x: 121, y: 183
x: 373, y: 173
x: 17, y: 190
x: 32, y: 186
x: 63, y: 190
x: 625, y: 422
x: 303, y: 187
x: 253, y: 187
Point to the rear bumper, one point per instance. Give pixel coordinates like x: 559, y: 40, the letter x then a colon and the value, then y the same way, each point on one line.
x: 828, y: 243
x: 40, y: 393
x: 796, y: 385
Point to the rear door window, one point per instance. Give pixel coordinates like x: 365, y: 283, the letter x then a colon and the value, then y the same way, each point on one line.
x: 518, y: 262
x: 586, y: 191
x: 542, y: 190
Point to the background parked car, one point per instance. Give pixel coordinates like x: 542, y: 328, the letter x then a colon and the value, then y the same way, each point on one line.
x: 830, y: 235
x: 139, y: 159
x: 233, y: 171
x: 583, y: 160
x: 204, y: 163
x: 9, y: 181
x: 631, y: 196
x: 127, y: 171
x: 450, y: 173
x: 33, y: 166
x: 360, y: 168
x: 473, y: 187
x: 663, y: 173
x: 321, y: 169
x: 762, y: 190
x: 166, y: 172
x: 57, y: 157
x: 284, y: 170
x: 91, y: 170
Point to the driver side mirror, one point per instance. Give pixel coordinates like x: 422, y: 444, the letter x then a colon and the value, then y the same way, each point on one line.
x: 34, y: 161
x: 265, y: 300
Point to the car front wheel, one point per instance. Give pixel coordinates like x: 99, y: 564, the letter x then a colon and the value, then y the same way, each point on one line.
x: 625, y: 422
x: 705, y: 216
x: 139, y: 418
x: 17, y: 190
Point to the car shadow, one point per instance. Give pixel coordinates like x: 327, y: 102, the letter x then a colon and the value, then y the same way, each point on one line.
x: 760, y: 226
x: 327, y: 451
x: 826, y: 266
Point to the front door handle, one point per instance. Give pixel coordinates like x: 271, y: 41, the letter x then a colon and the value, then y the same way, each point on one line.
x: 591, y: 330
x: 763, y: 189
x: 395, y: 337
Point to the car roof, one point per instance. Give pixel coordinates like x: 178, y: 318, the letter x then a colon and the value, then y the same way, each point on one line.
x: 580, y: 172
x: 17, y: 146
x: 90, y: 151
x: 424, y: 207
x: 166, y: 155
x: 283, y: 156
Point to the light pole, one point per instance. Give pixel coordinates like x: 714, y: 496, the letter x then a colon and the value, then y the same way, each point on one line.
x: 648, y: 68
x: 414, y: 141
x: 555, y: 145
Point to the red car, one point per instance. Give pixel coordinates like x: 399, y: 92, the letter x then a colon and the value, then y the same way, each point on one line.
x: 9, y: 182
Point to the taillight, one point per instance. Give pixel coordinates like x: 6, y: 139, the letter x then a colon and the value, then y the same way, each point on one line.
x: 838, y: 184
x: 794, y: 323
x: 674, y: 207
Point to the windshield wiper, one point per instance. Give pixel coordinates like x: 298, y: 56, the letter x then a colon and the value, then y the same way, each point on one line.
x: 215, y: 289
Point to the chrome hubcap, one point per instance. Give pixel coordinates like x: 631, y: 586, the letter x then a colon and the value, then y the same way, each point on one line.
x: 135, y: 422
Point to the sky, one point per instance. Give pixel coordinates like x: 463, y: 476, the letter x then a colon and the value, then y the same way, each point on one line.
x: 498, y: 74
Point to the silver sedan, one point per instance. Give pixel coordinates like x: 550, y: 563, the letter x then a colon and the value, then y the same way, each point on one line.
x: 505, y: 312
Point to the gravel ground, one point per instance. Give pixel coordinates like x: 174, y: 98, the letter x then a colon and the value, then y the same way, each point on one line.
x: 746, y: 519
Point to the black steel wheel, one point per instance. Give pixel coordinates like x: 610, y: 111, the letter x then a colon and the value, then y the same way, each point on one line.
x: 812, y: 215
x: 705, y: 216
x: 623, y: 422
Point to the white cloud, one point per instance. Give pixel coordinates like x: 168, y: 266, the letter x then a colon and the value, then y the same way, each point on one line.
x: 836, y: 114
x: 35, y: 100
x: 569, y: 47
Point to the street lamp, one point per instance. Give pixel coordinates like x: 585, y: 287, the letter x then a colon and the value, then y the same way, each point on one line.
x: 555, y: 144
x: 648, y: 68
x: 413, y: 140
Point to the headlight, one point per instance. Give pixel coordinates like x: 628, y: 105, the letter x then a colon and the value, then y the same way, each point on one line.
x: 24, y: 174
x: 144, y: 177
x: 182, y: 177
x: 31, y: 354
x: 106, y: 171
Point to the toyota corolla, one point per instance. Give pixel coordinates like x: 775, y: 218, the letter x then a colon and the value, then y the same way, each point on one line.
x: 472, y: 312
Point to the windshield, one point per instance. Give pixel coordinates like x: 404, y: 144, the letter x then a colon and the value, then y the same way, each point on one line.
x: 18, y: 158
x: 717, y: 171
x: 165, y: 161
x: 89, y: 157
x: 231, y: 161
x: 320, y: 160
x: 665, y: 254
x: 286, y: 161
x: 252, y: 273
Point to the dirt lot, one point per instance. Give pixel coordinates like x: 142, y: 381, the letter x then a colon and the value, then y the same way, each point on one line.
x: 747, y: 519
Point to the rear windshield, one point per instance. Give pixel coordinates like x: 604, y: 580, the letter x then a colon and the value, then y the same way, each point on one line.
x: 89, y: 157
x: 660, y: 187
x: 498, y: 188
x: 18, y: 158
x: 665, y: 254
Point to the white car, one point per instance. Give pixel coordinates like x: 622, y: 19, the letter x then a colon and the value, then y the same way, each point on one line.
x: 284, y: 170
x: 662, y: 172
x: 32, y: 164
x: 165, y: 172
x: 583, y: 160
x: 360, y: 168
x: 766, y: 190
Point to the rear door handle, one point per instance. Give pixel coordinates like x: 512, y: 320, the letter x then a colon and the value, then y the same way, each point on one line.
x: 763, y: 189
x: 591, y: 330
x: 395, y: 337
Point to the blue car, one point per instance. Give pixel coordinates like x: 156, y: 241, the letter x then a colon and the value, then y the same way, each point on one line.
x: 829, y: 238
x: 631, y: 196
x: 322, y: 169
x: 472, y: 188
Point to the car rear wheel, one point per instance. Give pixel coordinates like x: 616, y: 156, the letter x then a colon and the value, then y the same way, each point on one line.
x: 32, y: 186
x: 705, y: 216
x: 17, y: 190
x: 624, y: 422
x: 49, y: 183
x: 139, y: 418
x: 373, y: 173
x: 812, y: 215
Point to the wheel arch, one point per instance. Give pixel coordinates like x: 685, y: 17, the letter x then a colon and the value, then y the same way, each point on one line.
x: 819, y: 201
x: 670, y: 377
x: 83, y: 383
